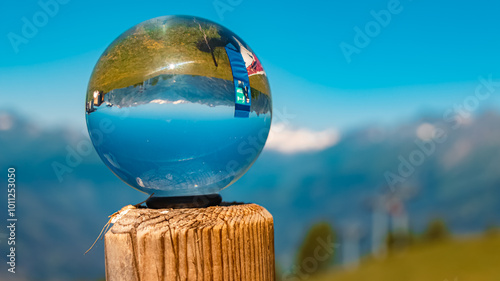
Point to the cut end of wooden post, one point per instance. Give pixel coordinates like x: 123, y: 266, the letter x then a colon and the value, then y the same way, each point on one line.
x: 231, y: 242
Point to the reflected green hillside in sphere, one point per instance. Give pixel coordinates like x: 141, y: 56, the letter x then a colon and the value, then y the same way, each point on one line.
x: 178, y: 105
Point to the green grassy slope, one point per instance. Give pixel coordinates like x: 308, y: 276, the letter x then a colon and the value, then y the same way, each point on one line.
x: 474, y: 259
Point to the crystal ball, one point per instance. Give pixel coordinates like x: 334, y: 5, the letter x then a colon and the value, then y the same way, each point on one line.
x: 178, y: 106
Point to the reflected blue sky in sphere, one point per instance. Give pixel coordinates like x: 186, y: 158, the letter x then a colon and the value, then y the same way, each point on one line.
x: 179, y: 148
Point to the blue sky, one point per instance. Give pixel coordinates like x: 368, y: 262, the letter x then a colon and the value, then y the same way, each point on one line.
x: 427, y: 57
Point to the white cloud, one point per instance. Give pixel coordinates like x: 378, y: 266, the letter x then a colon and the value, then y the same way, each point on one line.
x: 289, y: 141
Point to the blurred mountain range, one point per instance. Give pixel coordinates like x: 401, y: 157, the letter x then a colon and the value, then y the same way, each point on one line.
x: 455, y: 179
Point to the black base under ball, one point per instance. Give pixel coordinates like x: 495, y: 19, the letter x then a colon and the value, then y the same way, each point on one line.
x: 196, y: 201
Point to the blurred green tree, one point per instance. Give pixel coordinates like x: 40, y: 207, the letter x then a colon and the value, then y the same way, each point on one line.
x: 399, y: 241
x: 317, y: 250
x: 436, y: 231
x: 278, y: 271
x: 492, y: 230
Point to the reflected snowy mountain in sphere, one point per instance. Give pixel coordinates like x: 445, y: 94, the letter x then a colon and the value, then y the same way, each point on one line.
x: 178, y: 106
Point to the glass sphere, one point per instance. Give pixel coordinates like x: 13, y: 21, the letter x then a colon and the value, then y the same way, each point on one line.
x: 177, y: 106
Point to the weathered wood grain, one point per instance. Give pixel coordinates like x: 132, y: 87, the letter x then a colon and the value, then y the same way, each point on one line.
x: 229, y: 242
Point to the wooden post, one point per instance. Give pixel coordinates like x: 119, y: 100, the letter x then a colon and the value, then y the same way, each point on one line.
x: 231, y: 242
